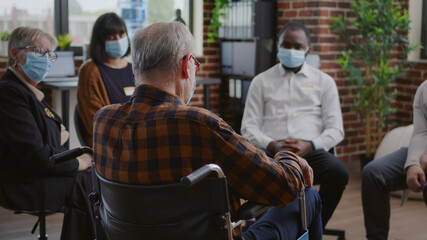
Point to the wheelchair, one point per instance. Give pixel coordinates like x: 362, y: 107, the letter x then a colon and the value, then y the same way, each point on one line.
x: 196, y: 207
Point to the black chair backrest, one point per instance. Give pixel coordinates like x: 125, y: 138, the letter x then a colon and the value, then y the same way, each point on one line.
x: 170, y: 211
x: 80, y: 128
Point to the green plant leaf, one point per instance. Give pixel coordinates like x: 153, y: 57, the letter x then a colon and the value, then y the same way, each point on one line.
x: 64, y: 41
x: 4, y: 36
x: 379, y: 26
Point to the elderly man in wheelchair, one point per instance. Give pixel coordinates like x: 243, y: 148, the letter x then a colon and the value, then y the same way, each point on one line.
x: 145, y: 151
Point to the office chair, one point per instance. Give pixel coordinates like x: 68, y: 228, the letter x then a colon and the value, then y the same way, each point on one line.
x: 196, y: 207
x: 41, y: 212
x: 80, y: 128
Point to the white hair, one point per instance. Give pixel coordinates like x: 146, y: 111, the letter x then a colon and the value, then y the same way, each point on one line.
x: 161, y: 46
x: 24, y: 36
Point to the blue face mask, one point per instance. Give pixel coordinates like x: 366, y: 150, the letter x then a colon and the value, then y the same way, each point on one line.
x: 192, y: 92
x: 36, y: 67
x: 291, y: 58
x: 117, y: 48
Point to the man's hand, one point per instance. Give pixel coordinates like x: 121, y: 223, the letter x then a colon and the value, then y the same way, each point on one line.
x: 274, y: 147
x: 84, y: 162
x: 307, y: 172
x: 415, y: 178
x: 299, y: 147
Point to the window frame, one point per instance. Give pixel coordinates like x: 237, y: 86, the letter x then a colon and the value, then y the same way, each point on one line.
x: 423, y: 50
x: 61, y: 16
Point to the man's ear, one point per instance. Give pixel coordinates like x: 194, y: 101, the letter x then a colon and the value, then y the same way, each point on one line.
x: 184, y: 67
x: 308, y: 50
x: 14, y: 54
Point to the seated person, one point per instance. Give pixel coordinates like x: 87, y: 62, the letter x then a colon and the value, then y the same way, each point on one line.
x: 388, y: 173
x: 107, y: 77
x: 293, y: 106
x: 30, y: 132
x: 156, y: 138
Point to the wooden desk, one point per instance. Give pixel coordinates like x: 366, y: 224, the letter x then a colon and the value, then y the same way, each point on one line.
x: 206, y: 82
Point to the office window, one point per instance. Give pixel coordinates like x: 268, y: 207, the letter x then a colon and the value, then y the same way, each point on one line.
x: 82, y: 14
x: 51, y: 15
x: 29, y: 13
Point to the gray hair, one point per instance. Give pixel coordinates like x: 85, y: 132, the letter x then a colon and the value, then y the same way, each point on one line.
x: 161, y: 46
x: 24, y: 36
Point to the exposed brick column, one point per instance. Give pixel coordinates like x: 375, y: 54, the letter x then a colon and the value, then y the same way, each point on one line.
x: 210, y: 63
x: 316, y: 15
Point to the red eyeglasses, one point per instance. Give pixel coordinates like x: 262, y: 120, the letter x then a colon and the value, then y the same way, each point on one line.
x: 197, y: 63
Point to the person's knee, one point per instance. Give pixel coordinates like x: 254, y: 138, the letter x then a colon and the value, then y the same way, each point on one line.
x: 343, y: 175
x: 339, y: 173
x: 369, y: 172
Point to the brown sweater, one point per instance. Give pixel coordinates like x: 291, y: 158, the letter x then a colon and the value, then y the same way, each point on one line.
x: 91, y: 96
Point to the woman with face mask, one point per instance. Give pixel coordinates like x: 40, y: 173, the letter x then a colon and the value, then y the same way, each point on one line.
x: 106, y: 78
x: 31, y: 132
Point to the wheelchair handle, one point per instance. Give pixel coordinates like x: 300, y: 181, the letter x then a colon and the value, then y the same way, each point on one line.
x: 201, y: 173
x: 301, y: 197
x: 69, y: 154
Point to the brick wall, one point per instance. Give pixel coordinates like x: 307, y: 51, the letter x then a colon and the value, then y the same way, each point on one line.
x: 316, y: 16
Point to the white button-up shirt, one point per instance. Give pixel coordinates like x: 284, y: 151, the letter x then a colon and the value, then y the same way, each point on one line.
x: 281, y: 104
x: 418, y: 143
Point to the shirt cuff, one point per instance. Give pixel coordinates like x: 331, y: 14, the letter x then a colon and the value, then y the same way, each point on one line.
x: 411, y: 162
x: 264, y: 142
x: 317, y: 143
x: 312, y: 144
x: 287, y: 156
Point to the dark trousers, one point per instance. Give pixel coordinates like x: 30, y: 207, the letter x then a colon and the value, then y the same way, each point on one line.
x: 332, y: 175
x: 379, y: 178
x: 79, y: 222
x: 285, y: 223
x: 61, y: 194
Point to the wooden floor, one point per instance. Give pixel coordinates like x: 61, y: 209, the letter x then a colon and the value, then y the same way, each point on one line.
x: 407, y: 222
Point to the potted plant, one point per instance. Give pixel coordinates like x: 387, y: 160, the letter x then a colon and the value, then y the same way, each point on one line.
x: 378, y: 28
x: 215, y: 23
x: 64, y: 41
x: 64, y: 66
x: 4, y: 39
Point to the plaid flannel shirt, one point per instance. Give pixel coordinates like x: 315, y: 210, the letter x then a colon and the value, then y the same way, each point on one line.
x: 156, y: 139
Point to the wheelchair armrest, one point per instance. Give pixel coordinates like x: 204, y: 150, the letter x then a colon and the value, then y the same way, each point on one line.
x: 201, y: 173
x: 250, y: 210
x: 69, y: 154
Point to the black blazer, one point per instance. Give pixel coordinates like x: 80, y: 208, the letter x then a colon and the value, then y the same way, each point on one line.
x: 30, y: 132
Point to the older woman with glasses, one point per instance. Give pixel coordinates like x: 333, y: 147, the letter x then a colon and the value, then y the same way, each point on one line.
x: 30, y: 132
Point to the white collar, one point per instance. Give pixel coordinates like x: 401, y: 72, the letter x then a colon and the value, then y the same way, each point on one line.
x: 305, y: 70
x: 39, y: 94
